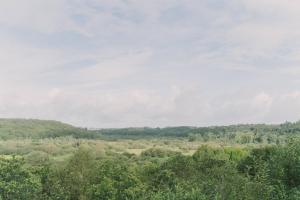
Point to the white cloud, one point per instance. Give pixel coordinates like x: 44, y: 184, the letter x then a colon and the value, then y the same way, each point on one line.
x: 137, y: 63
x: 44, y: 16
x: 263, y: 100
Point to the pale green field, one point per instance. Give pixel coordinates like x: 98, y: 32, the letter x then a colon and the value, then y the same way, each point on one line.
x: 37, y: 151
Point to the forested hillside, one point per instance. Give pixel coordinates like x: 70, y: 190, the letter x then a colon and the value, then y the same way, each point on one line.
x: 35, y: 129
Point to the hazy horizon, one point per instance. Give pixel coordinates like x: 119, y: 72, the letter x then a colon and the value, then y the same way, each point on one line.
x: 172, y: 126
x: 110, y: 64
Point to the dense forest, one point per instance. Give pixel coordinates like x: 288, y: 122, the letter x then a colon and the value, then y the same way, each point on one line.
x: 50, y: 160
x: 210, y: 173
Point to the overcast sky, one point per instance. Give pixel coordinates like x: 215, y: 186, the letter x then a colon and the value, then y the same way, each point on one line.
x: 121, y: 63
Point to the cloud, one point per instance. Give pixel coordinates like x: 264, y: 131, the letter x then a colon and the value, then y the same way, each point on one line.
x: 150, y: 63
x: 150, y: 108
x: 46, y: 16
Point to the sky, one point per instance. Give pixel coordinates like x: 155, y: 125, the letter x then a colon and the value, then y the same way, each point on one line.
x: 158, y: 63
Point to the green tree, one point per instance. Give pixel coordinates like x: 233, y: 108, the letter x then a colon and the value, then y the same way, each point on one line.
x: 16, y: 182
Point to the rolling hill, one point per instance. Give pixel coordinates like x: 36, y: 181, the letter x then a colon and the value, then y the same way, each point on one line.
x: 33, y: 128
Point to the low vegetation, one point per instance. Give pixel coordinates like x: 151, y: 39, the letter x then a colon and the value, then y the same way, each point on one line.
x: 50, y: 160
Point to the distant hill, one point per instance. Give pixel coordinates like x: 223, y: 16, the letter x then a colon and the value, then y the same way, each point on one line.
x: 32, y: 128
x: 241, y: 133
x: 247, y: 133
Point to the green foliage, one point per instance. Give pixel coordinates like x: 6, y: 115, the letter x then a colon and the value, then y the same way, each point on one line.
x: 36, y: 129
x: 269, y: 173
x: 240, y: 134
x: 158, y: 153
x: 16, y: 182
x: 258, y: 169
